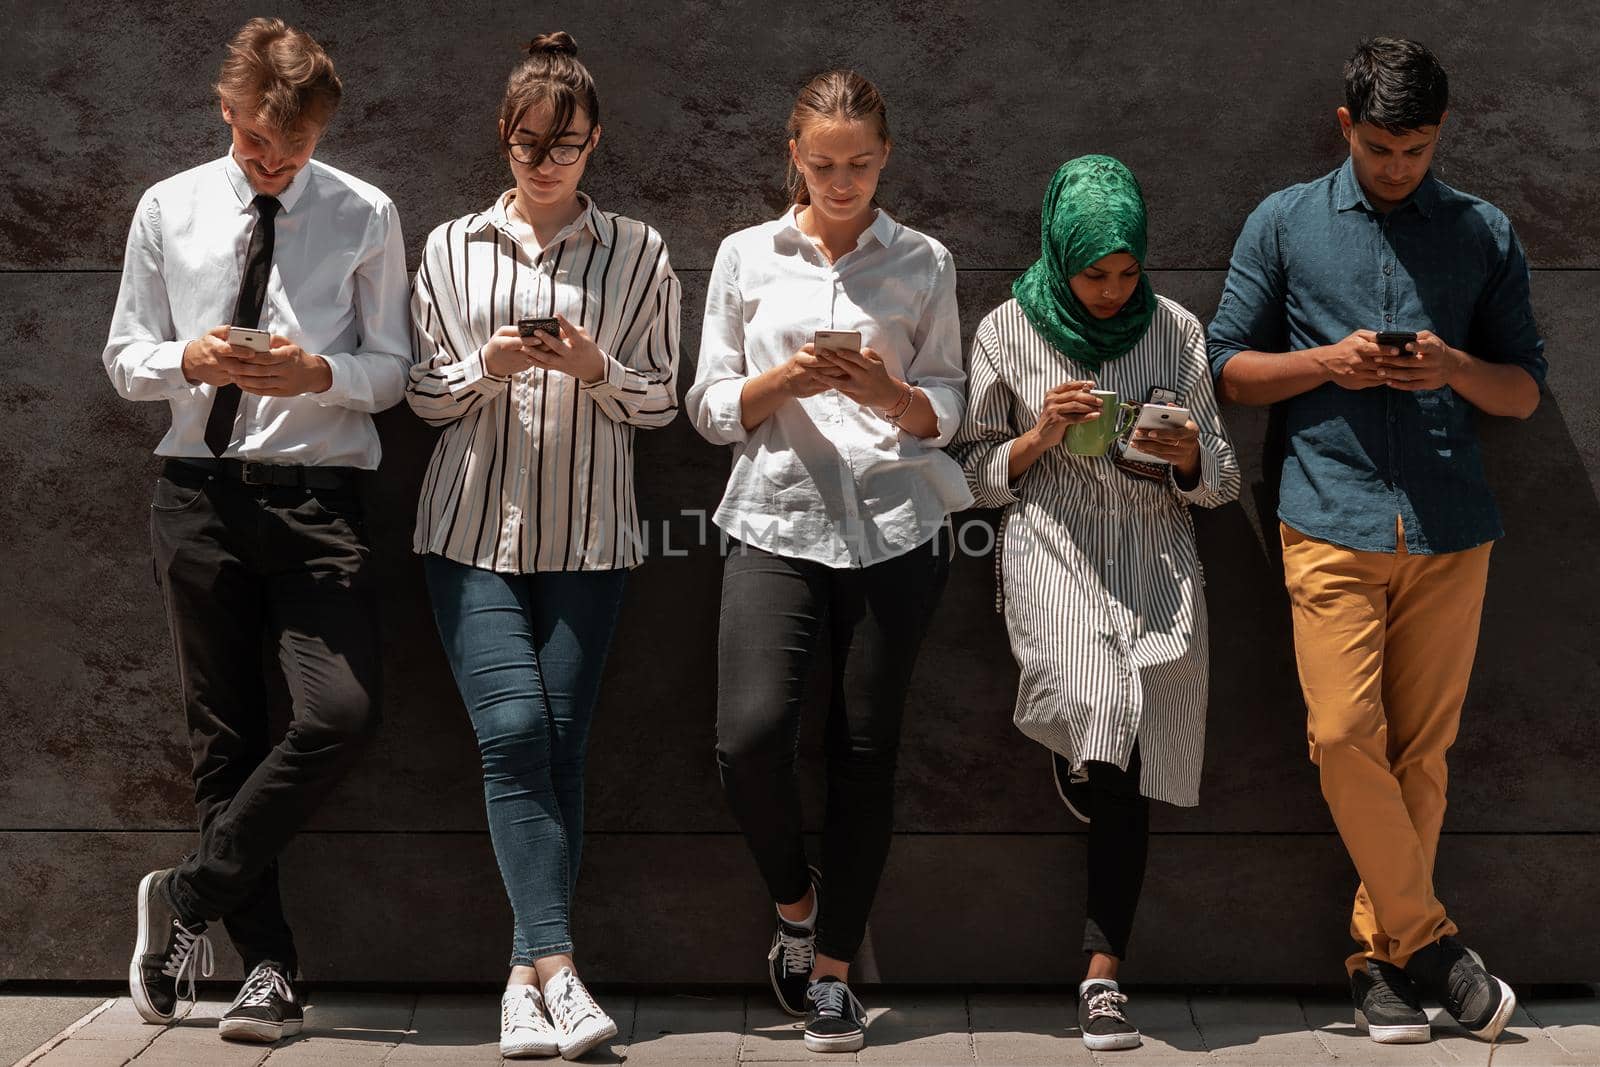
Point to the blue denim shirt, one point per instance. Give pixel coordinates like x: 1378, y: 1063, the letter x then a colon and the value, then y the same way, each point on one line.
x: 1315, y: 263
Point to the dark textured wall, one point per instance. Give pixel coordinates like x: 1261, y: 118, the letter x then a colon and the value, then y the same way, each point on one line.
x: 1213, y: 105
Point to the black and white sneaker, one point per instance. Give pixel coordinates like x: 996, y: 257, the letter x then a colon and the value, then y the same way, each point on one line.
x: 166, y: 954
x: 837, y: 1022
x: 266, y: 1008
x: 1101, y: 1018
x: 1454, y: 975
x: 1072, y: 786
x: 1386, y: 1005
x: 789, y: 960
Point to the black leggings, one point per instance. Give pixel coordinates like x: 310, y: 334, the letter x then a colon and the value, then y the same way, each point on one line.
x: 778, y: 614
x: 1119, y: 840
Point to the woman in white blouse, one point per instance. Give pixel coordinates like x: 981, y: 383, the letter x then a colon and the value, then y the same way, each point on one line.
x: 838, y: 503
x: 526, y: 523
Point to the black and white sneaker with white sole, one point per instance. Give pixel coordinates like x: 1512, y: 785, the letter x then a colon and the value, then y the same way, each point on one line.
x: 1102, y: 1018
x: 167, y: 955
x: 789, y: 960
x: 1387, y: 1007
x: 266, y: 1008
x: 1072, y: 786
x: 837, y: 1022
x: 1454, y: 975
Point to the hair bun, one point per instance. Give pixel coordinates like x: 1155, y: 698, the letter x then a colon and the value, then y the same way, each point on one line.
x: 559, y: 43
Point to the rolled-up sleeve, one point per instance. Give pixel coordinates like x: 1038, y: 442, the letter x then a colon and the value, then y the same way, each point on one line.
x: 1251, y: 313
x: 714, y: 403
x: 1219, y: 466
x: 988, y: 432
x: 1503, y: 327
x: 143, y: 354
x: 936, y: 366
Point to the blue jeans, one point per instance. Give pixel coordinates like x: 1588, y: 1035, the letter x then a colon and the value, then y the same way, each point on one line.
x: 527, y: 651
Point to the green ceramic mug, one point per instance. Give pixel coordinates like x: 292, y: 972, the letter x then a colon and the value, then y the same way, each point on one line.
x: 1093, y: 438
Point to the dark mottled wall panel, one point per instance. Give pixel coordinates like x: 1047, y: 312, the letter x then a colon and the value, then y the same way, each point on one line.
x: 1213, y: 106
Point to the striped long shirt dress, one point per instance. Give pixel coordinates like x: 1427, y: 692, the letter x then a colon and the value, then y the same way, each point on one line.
x: 1100, y: 578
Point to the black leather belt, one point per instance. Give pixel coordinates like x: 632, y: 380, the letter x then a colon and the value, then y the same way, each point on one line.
x: 275, y: 475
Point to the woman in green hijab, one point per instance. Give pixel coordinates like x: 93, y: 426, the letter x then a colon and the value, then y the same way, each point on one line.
x: 1097, y: 569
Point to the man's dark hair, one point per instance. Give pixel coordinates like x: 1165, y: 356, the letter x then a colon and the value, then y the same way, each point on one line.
x: 1395, y: 84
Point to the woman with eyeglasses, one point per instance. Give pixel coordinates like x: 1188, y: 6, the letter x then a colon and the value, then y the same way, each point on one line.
x: 546, y: 331
x: 1099, y: 572
x: 831, y: 367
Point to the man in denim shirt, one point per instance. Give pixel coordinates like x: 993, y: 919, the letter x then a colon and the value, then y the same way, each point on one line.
x: 1386, y: 518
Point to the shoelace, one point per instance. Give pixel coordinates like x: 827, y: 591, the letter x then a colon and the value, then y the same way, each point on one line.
x: 1108, y: 1004
x: 263, y: 982
x: 523, y: 1012
x: 191, y: 950
x: 798, y: 952
x: 835, y: 999
x: 571, y: 1004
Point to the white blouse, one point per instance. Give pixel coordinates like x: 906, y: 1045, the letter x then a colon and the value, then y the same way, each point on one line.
x: 825, y: 478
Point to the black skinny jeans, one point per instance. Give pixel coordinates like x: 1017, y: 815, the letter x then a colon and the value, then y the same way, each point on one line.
x: 1119, y: 841
x: 777, y: 615
x: 239, y: 566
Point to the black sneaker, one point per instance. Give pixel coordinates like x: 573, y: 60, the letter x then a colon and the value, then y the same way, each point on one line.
x: 1072, y: 786
x: 1386, y: 1005
x: 1453, y: 974
x: 838, y: 1022
x: 266, y: 1008
x: 1101, y: 1018
x: 166, y: 954
x: 794, y: 950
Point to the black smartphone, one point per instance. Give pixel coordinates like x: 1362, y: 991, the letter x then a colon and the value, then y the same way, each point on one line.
x: 528, y: 327
x: 1396, y: 339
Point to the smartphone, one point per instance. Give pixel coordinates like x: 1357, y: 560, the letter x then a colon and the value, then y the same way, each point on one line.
x: 839, y: 340
x: 1396, y: 339
x: 1155, y: 417
x: 254, y: 340
x: 528, y: 327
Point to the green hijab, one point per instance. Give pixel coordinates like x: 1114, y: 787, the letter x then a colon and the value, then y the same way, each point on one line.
x: 1092, y: 209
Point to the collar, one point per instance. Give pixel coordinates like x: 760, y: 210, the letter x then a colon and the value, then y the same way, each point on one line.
x: 1348, y: 193
x: 882, y: 229
x: 589, y: 218
x: 246, y: 192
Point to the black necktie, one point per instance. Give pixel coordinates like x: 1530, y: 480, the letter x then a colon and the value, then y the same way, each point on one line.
x: 247, y: 312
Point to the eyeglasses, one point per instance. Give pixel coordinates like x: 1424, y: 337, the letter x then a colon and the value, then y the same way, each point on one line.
x: 562, y: 155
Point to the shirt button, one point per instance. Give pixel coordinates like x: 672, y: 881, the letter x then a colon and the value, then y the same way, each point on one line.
x: 1388, y: 318
x: 1388, y: 269
x: 524, y: 470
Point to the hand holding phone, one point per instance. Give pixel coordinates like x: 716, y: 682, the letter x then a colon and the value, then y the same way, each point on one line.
x: 245, y: 337
x: 1396, y: 339
x: 837, y: 340
x: 530, y: 328
x: 1155, y: 417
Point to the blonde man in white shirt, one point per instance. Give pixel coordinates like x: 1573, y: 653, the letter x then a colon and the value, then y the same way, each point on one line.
x: 838, y: 500
x: 527, y: 524
x: 263, y: 299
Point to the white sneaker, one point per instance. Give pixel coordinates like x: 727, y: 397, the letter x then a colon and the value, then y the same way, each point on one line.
x: 524, y: 1028
x: 580, y: 1025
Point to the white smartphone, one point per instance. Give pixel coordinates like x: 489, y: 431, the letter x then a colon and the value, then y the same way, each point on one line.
x: 254, y: 340
x: 1155, y: 417
x: 839, y: 340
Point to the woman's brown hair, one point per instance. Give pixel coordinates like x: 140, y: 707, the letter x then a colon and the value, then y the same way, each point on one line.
x: 551, y: 74
x: 282, y: 73
x: 833, y: 96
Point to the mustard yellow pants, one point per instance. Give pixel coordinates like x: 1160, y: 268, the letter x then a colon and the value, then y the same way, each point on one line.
x: 1385, y: 643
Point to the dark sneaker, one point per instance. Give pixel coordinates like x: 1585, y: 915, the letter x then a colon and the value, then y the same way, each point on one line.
x: 1102, y: 1019
x: 1072, y: 786
x: 266, y: 1008
x: 1453, y: 974
x: 838, y: 1022
x: 789, y: 960
x: 166, y: 954
x: 1386, y: 1005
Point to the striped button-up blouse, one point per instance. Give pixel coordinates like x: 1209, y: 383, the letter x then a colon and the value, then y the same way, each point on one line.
x: 1102, y: 581
x: 535, y: 472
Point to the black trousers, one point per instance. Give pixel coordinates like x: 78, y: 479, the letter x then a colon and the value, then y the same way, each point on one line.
x: 241, y: 566
x: 1119, y: 841
x: 777, y: 615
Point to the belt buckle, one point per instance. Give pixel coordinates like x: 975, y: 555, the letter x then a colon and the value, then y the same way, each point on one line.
x: 257, y: 474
